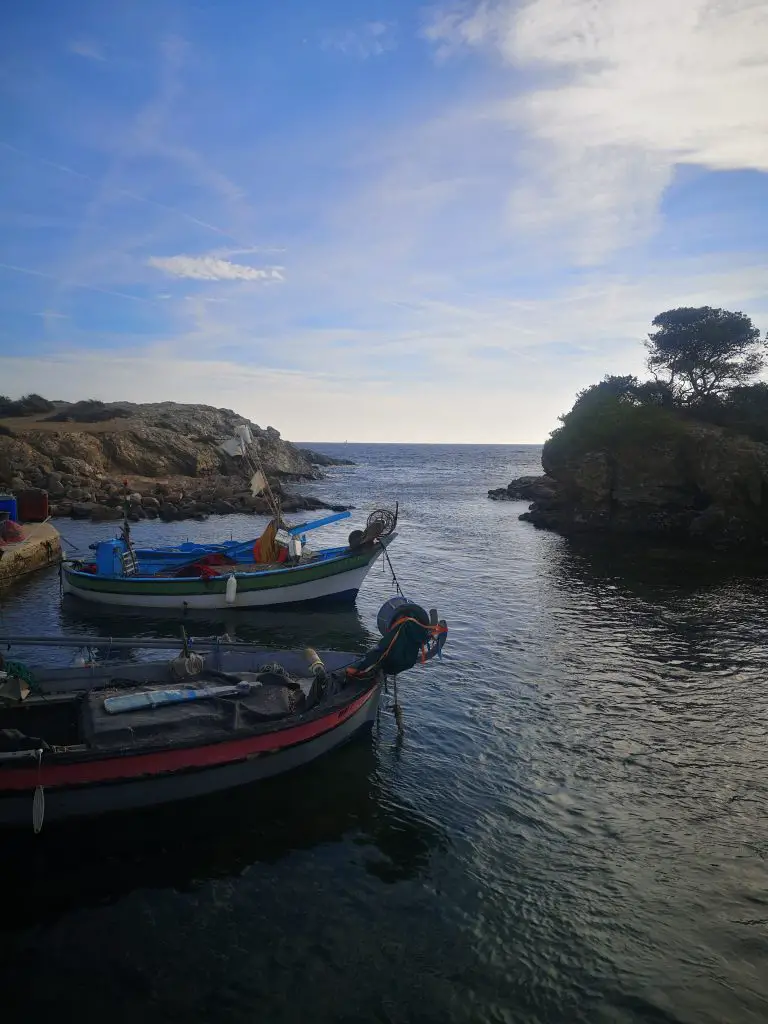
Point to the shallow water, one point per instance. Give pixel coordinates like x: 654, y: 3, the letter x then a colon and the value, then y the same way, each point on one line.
x: 571, y: 829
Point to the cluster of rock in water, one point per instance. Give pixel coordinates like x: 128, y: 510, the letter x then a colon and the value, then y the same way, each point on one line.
x: 190, y: 499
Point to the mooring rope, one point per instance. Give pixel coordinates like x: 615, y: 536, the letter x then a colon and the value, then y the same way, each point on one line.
x: 392, y: 570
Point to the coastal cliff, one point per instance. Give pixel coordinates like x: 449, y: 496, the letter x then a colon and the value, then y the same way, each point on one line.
x: 681, y: 457
x: 169, y: 453
x: 685, y: 481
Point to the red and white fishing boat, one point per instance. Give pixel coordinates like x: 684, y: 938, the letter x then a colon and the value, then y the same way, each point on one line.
x: 107, y: 736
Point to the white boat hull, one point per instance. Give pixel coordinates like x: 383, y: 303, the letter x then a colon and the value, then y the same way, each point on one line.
x: 341, y: 586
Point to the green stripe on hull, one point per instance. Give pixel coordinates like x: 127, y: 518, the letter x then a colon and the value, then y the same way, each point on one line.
x: 162, y: 587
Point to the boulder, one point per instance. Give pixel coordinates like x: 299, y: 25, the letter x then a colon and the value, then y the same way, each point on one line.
x: 169, y: 511
x: 223, y: 508
x: 148, y: 502
x: 82, y: 511
x: 103, y: 512
x: 54, y: 484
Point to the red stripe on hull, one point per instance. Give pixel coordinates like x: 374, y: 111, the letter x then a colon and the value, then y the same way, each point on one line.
x: 162, y: 762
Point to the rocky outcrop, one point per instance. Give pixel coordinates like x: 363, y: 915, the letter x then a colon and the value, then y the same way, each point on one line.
x: 320, y: 459
x: 525, y: 488
x: 169, y: 453
x: 695, y: 482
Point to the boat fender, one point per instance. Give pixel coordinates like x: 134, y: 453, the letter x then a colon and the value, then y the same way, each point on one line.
x: 387, y: 612
x: 316, y: 666
x: 408, y: 636
x: 231, y: 595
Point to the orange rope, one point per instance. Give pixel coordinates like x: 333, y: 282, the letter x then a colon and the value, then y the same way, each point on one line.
x: 434, y: 630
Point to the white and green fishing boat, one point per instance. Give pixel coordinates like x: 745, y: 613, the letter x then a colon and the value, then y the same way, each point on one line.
x: 279, y: 571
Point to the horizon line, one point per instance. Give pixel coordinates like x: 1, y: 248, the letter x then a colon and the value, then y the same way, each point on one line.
x: 453, y: 444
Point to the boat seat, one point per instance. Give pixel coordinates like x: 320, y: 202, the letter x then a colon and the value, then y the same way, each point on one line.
x: 196, y: 722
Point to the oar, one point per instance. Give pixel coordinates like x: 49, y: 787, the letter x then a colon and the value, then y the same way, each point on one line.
x: 317, y: 523
x: 156, y: 698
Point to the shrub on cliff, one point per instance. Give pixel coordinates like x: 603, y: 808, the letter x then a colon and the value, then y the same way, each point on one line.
x: 743, y: 410
x: 614, y: 416
x: 91, y: 410
x: 28, y: 405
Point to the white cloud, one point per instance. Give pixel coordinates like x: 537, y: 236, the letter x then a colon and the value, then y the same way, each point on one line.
x: 625, y: 91
x: 479, y: 369
x: 86, y: 48
x: 369, y: 40
x: 211, y: 268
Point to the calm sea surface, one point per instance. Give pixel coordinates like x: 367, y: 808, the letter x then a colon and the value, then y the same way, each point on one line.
x: 573, y: 827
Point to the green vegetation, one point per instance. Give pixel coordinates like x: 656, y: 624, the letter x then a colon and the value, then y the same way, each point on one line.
x: 29, y: 405
x: 704, y: 353
x: 91, y: 410
x: 702, y: 361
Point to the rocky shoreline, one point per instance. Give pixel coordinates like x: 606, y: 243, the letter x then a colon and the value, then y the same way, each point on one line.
x: 176, y: 499
x: 167, y: 458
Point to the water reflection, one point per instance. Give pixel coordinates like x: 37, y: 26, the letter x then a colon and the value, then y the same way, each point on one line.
x: 649, y: 570
x: 182, y: 847
x: 337, y: 628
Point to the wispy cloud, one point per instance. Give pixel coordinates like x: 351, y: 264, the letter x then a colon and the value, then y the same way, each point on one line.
x: 634, y: 89
x: 514, y: 394
x: 209, y: 268
x: 86, y: 48
x: 473, y: 221
x: 369, y: 40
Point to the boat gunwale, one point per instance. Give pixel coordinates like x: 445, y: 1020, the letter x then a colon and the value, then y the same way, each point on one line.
x: 53, y: 762
x: 338, y: 555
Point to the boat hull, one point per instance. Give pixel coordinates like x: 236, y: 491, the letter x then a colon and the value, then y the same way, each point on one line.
x: 125, y: 784
x: 334, y: 579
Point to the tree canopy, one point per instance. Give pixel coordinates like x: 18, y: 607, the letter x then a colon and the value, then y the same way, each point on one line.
x: 700, y: 353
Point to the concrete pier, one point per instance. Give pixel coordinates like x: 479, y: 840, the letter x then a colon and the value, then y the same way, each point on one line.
x: 40, y: 546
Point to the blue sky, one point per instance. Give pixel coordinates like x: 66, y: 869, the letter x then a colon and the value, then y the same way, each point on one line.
x: 373, y: 220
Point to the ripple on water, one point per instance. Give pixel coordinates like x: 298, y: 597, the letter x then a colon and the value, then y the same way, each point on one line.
x: 571, y: 829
